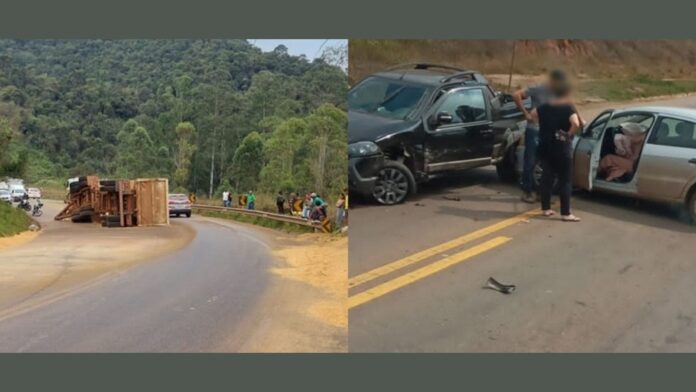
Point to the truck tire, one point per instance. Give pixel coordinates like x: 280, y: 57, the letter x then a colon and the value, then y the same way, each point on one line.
x: 394, y: 183
x: 506, y: 168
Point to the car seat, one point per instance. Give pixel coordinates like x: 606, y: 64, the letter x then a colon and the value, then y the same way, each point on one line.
x: 662, y: 133
x: 685, y: 134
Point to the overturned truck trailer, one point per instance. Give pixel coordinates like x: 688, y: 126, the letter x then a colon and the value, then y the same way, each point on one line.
x: 118, y: 203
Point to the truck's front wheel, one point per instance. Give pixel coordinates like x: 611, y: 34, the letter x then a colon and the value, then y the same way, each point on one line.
x: 394, y: 183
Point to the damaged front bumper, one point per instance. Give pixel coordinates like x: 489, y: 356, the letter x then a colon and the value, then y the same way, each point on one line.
x: 363, y: 172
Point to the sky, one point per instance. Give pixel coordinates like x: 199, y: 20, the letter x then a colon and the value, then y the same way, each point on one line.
x: 308, y: 47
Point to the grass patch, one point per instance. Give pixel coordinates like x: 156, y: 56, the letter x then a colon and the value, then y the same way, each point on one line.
x: 12, y: 220
x: 50, y: 188
x: 259, y: 221
x: 640, y: 86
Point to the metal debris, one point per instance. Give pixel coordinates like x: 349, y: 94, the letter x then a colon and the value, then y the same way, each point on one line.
x: 497, y: 286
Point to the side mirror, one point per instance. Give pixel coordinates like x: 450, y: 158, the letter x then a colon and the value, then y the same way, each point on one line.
x: 441, y: 118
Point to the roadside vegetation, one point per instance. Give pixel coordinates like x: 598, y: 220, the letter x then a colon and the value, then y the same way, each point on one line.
x: 12, y: 220
x: 210, y: 115
x: 639, y: 86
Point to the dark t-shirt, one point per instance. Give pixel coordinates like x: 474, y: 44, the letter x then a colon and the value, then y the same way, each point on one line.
x: 553, y: 118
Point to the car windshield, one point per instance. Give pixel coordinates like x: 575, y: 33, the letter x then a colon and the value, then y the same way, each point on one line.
x: 178, y: 197
x: 386, y: 97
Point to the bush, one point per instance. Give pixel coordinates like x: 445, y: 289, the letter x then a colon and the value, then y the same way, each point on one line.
x: 12, y: 220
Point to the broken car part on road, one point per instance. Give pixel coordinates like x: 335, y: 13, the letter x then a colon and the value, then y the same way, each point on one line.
x: 497, y: 286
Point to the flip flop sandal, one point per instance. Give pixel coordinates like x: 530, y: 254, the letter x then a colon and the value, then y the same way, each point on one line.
x: 570, y: 218
x: 548, y: 213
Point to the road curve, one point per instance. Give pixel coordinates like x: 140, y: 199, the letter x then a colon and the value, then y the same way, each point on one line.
x: 192, y: 300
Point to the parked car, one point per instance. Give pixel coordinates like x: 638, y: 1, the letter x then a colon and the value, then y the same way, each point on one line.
x: 5, y: 196
x: 179, y: 204
x: 34, y: 193
x: 413, y: 122
x: 17, y: 193
x: 665, y: 170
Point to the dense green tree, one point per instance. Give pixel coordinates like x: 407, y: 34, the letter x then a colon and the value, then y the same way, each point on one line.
x: 184, y: 151
x: 247, y: 163
x: 281, y: 155
x: 328, y: 137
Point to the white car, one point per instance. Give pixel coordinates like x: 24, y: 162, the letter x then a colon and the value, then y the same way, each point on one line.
x: 17, y: 194
x: 34, y: 193
x: 5, y: 196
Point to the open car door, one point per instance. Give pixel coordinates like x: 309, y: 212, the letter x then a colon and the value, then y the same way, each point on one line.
x: 587, y: 151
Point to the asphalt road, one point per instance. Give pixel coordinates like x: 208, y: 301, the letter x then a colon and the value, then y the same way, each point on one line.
x: 620, y: 280
x: 195, y: 299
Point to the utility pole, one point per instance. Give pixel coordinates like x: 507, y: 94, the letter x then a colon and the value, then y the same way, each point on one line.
x: 512, y: 65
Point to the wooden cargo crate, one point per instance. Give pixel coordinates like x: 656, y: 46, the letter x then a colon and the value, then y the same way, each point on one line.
x: 151, y: 196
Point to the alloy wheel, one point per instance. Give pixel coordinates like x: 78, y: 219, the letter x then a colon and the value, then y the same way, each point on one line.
x: 391, y: 186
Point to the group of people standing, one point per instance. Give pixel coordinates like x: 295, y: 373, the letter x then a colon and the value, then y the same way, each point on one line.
x: 313, y: 207
x: 552, y: 122
x: 310, y: 206
x: 247, y: 201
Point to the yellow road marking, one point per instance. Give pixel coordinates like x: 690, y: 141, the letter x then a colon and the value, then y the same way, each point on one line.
x: 424, y: 254
x: 423, y: 272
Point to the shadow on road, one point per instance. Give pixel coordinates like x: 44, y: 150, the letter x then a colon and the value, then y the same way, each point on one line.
x: 658, y: 215
x: 452, y: 189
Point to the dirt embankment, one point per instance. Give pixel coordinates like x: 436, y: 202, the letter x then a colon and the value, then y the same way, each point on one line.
x: 305, y: 308
x: 596, y: 58
x: 65, y: 255
x: 16, y: 240
x: 320, y: 261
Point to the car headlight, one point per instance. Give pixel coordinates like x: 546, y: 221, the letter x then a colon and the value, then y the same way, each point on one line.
x: 362, y: 149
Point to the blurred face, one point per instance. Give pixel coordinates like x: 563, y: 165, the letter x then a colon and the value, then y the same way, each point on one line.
x: 560, y: 88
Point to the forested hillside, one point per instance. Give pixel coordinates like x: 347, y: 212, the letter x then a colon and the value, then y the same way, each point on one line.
x: 204, y: 113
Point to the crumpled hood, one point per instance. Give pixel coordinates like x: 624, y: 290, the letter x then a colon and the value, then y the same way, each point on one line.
x: 370, y: 127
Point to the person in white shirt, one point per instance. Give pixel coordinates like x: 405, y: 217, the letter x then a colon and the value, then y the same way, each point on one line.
x: 226, y: 198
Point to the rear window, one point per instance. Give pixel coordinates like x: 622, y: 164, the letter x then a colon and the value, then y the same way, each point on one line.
x: 178, y: 197
x: 674, y: 132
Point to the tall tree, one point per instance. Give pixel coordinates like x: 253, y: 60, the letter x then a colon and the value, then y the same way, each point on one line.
x: 184, y: 151
x: 247, y: 162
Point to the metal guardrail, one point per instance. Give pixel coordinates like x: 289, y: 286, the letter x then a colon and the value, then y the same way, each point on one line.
x: 324, y: 226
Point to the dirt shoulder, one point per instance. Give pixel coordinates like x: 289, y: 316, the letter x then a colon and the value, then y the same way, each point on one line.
x: 304, y: 309
x: 65, y: 255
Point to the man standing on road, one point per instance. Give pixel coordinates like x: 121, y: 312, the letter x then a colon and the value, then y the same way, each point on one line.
x: 251, y: 201
x: 280, y: 202
x: 539, y: 95
x: 225, y: 198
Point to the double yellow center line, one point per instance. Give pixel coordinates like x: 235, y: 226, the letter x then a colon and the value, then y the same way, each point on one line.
x: 406, y: 279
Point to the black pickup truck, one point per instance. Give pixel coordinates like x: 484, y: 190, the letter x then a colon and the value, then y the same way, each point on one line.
x: 416, y: 121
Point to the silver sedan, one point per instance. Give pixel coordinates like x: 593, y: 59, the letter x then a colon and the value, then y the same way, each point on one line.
x: 663, y: 167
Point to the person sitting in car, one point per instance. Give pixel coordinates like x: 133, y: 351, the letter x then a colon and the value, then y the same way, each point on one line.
x: 628, y: 145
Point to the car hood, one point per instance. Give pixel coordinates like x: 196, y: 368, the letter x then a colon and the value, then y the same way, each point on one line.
x: 370, y: 127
